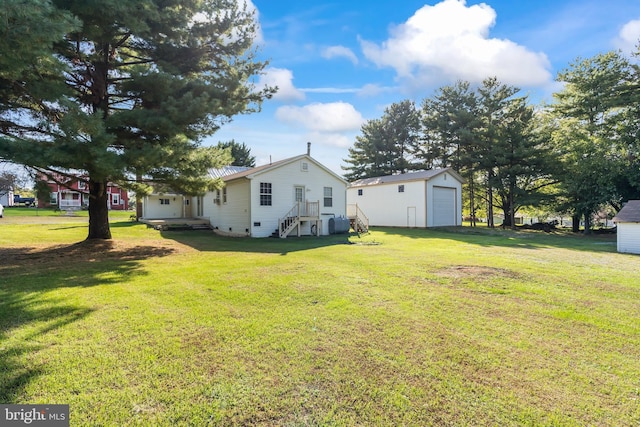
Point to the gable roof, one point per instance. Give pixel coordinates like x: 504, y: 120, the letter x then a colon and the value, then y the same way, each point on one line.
x: 404, y: 177
x: 251, y: 173
x: 629, y: 213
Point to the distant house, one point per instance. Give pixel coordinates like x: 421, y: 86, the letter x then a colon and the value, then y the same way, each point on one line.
x: 73, y: 194
x: 429, y: 198
x: 628, y: 227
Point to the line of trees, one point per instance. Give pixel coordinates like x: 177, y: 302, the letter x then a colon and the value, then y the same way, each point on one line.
x: 575, y: 156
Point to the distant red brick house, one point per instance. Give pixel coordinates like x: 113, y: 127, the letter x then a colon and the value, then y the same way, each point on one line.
x: 74, y: 194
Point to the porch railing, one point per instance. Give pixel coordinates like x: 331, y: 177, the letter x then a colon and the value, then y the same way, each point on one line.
x: 291, y: 220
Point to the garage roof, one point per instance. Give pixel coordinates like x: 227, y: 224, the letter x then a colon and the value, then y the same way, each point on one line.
x: 629, y: 213
x: 403, y: 177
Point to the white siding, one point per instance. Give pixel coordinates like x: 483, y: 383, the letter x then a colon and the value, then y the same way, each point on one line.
x: 628, y: 237
x: 385, y: 205
x: 232, y: 217
x: 153, y: 209
x: 283, y: 181
x: 6, y: 199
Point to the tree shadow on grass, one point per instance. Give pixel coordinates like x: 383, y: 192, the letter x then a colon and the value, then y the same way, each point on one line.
x: 26, y: 315
x: 19, y: 310
x: 205, y: 241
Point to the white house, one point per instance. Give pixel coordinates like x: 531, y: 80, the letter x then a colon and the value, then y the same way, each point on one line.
x: 628, y: 227
x: 296, y: 196
x: 429, y: 198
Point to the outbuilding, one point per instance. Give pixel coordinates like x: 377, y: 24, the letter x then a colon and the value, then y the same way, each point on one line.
x: 628, y: 227
x: 430, y: 198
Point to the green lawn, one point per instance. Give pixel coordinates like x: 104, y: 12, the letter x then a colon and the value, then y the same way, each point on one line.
x: 399, y: 327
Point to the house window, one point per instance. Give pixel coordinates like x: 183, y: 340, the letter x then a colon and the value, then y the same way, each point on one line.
x: 400, y: 188
x: 164, y: 201
x: 82, y: 185
x: 265, y: 194
x: 224, y: 195
x: 53, y: 199
x: 115, y: 199
x: 328, y: 197
x: 359, y: 191
x: 304, y: 167
x: 217, y: 199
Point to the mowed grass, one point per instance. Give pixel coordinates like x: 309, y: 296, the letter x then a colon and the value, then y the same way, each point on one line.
x: 398, y: 327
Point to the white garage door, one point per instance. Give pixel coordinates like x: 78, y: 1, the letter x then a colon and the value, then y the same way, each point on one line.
x: 444, y: 206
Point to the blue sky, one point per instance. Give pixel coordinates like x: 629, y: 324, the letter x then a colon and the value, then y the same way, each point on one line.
x: 340, y: 63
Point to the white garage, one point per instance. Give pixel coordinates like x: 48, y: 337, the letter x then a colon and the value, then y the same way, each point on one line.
x: 628, y: 227
x: 431, y: 198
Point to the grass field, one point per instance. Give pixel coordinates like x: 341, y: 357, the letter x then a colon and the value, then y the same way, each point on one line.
x: 458, y: 327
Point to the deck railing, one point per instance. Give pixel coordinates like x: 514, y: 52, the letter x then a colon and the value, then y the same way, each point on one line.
x: 359, y: 221
x: 291, y: 220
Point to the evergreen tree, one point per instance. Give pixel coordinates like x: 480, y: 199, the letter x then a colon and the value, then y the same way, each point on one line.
x: 131, y: 91
x: 591, y: 117
x: 384, y: 148
x: 524, y: 160
x: 240, y: 153
x: 450, y: 126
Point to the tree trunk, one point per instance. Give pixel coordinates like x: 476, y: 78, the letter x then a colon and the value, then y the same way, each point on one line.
x: 587, y: 223
x: 490, y: 223
x: 138, y: 198
x: 98, y: 211
x: 575, y: 222
x: 472, y: 205
x: 512, y: 208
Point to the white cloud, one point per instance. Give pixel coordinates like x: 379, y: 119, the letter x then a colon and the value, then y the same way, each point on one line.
x: 259, y: 38
x: 450, y: 40
x: 331, y: 139
x: 283, y: 79
x: 332, y: 90
x: 340, y: 52
x: 317, y: 117
x: 371, y: 90
x: 629, y: 36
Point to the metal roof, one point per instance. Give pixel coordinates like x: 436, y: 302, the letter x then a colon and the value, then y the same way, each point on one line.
x: 411, y: 176
x: 629, y: 213
x: 226, y: 171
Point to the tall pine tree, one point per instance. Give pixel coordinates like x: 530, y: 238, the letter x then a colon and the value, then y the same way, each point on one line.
x: 384, y: 148
x: 138, y: 85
